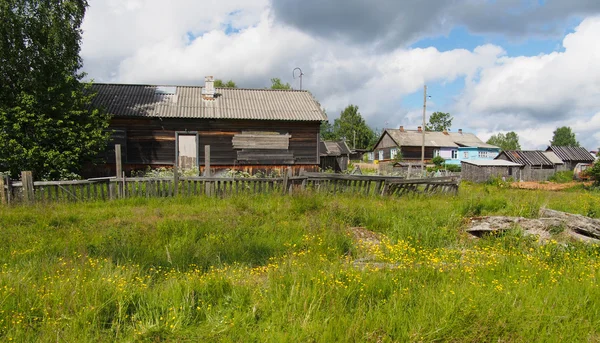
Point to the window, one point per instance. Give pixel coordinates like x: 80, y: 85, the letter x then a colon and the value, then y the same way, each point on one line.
x: 371, y: 156
x: 393, y: 153
x: 436, y: 152
x: 381, y: 155
x: 454, y: 154
x: 466, y: 155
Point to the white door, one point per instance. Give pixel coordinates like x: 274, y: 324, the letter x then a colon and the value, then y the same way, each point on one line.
x: 188, y: 152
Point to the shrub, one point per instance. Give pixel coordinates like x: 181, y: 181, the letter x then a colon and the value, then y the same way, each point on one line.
x: 594, y: 172
x: 438, y: 160
x: 562, y: 177
x: 453, y: 168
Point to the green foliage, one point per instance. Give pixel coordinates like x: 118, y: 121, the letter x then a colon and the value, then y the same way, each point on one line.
x: 351, y: 124
x: 453, y: 168
x: 594, y: 172
x: 327, y: 133
x: 277, y: 84
x: 562, y: 177
x: 439, y: 121
x: 438, y: 161
x: 46, y: 124
x: 564, y: 136
x: 510, y: 141
x: 229, y: 84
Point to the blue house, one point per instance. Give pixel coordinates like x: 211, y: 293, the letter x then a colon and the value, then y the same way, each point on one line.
x: 454, y: 147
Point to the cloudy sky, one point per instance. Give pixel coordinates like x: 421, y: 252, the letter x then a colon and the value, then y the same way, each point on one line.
x: 496, y: 65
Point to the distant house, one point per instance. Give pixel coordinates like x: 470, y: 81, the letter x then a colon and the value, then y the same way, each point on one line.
x: 335, y: 155
x: 452, y: 146
x: 572, y: 155
x: 535, y: 165
x: 484, y: 170
x: 249, y: 129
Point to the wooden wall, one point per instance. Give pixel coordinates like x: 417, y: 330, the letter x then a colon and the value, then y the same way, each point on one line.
x: 151, y: 141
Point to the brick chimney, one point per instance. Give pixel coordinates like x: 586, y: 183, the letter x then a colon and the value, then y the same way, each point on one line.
x: 460, y: 131
x: 208, y: 92
x: 419, y: 129
x: 401, y: 128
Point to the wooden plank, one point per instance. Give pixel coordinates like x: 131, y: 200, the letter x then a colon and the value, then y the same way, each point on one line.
x: 175, y: 180
x: 3, y: 200
x: 118, y: 160
x: 28, y: 191
x: 9, y: 190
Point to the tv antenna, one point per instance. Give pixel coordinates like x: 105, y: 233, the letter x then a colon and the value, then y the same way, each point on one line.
x: 300, y: 76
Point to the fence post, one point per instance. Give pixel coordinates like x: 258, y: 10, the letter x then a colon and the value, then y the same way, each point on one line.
x: 208, y: 184
x: 9, y: 193
x: 119, y: 167
x: 284, y: 184
x: 2, y: 194
x: 111, y: 189
x: 27, y: 180
x: 175, y: 180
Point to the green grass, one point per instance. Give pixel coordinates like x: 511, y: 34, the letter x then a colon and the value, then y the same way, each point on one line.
x: 277, y: 268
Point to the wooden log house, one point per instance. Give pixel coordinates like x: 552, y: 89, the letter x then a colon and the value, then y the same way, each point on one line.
x: 247, y: 129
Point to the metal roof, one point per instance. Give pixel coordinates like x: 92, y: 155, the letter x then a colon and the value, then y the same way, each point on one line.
x: 526, y: 157
x: 437, y: 139
x: 124, y: 100
x: 492, y: 163
x: 568, y: 153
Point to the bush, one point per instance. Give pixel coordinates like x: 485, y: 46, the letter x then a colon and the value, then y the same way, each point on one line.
x: 453, y: 168
x: 438, y: 160
x: 594, y: 172
x: 562, y: 177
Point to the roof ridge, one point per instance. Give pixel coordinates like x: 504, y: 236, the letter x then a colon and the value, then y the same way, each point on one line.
x: 198, y: 86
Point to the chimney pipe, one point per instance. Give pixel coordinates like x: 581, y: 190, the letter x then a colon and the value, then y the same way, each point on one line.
x: 419, y: 129
x: 401, y: 128
x: 208, y: 92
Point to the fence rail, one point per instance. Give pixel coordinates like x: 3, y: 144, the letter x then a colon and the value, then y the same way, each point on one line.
x: 27, y: 191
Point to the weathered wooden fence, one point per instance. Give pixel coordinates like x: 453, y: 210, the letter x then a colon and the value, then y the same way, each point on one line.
x: 28, y: 191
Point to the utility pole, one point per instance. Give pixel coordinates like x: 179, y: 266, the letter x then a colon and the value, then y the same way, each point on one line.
x: 423, y: 129
x: 354, y: 143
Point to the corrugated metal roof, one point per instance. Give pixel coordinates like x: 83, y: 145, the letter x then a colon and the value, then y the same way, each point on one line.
x: 187, y: 102
x: 526, y: 157
x: 569, y: 154
x: 492, y: 163
x: 437, y: 139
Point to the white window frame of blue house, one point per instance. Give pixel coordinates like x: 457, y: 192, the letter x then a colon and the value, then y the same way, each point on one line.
x: 393, y: 153
x: 454, y: 154
x: 380, y: 155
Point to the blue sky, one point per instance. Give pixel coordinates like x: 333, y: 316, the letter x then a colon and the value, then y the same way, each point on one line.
x: 527, y: 66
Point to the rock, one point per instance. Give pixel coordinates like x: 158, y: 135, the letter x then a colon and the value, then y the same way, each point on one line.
x: 550, y: 223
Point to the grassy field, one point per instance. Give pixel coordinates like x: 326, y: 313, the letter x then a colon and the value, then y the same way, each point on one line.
x: 276, y: 269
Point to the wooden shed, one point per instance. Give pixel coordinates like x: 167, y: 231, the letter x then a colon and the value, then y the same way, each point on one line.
x: 535, y: 165
x: 335, y: 155
x: 484, y: 170
x: 571, y: 156
x: 246, y: 129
